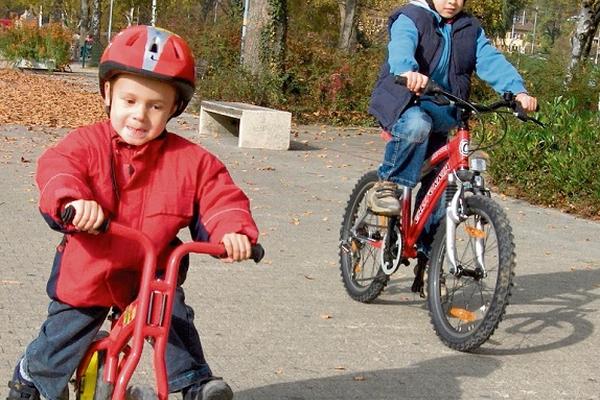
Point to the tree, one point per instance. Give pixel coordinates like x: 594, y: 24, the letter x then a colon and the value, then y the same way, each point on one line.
x: 347, y: 37
x: 263, y: 46
x: 587, y: 25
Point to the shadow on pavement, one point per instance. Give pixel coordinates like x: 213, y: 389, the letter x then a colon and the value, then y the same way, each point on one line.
x: 301, y: 146
x: 564, y: 301
x: 440, y: 378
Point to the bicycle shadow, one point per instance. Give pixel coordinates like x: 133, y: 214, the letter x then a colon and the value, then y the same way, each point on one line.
x: 546, y: 311
x: 438, y: 378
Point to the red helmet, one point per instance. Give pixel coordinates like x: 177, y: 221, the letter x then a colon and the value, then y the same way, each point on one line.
x: 154, y: 53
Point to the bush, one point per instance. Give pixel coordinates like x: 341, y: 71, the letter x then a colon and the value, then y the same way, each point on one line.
x: 28, y: 41
x: 554, y: 166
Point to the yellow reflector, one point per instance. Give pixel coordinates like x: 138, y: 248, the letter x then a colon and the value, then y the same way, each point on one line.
x: 87, y: 387
x: 474, y: 232
x: 462, y: 314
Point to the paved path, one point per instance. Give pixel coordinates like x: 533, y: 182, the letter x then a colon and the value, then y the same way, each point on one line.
x: 264, y: 326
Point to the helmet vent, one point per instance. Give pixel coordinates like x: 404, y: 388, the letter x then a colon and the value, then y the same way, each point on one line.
x: 132, y: 39
x: 154, y: 48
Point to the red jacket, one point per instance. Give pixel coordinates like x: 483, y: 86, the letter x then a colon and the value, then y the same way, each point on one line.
x: 160, y: 187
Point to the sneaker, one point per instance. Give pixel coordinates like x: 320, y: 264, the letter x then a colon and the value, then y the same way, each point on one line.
x: 21, y: 388
x: 214, y: 389
x: 382, y: 199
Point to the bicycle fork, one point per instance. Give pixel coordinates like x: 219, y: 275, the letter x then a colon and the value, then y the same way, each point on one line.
x: 455, y: 215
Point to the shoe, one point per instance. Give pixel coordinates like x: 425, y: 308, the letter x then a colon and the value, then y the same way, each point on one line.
x: 214, y: 389
x: 382, y: 199
x: 21, y: 388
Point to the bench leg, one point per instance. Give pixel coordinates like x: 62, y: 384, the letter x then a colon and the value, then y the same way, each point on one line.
x: 213, y: 123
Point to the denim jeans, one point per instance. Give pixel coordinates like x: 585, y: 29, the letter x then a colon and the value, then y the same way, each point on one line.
x: 416, y: 136
x: 51, y: 358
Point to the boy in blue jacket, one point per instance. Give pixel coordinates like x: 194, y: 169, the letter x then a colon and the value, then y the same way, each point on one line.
x: 429, y: 39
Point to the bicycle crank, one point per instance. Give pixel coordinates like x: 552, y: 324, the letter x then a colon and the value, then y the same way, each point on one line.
x: 391, y: 249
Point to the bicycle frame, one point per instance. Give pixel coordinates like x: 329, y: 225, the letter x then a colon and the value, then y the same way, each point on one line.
x: 454, y: 156
x: 147, y: 317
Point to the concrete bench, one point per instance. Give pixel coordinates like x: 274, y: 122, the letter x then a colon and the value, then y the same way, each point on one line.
x: 256, y: 127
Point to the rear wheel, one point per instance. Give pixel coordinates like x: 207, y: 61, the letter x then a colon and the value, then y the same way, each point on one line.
x: 466, y: 307
x: 360, y: 260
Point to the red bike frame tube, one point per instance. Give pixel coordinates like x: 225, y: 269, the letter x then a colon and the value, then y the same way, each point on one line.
x: 456, y: 155
x: 149, y: 316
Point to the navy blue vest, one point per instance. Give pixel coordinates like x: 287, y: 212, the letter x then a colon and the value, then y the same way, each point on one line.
x: 389, y: 100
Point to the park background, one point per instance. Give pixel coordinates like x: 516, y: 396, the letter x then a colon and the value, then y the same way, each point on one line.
x: 319, y: 59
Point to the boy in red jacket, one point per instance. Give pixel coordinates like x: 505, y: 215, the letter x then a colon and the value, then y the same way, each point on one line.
x: 129, y: 168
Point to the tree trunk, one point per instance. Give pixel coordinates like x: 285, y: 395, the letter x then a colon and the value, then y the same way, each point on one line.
x: 263, y: 42
x: 83, y: 23
x: 587, y: 25
x: 95, y: 32
x: 347, y: 38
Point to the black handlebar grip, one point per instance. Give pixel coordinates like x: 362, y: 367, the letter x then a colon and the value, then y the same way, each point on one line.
x: 68, y: 214
x: 258, y: 252
x: 401, y: 80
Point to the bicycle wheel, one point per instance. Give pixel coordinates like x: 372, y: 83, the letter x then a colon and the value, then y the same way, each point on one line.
x: 91, y: 385
x: 465, y: 308
x: 360, y: 262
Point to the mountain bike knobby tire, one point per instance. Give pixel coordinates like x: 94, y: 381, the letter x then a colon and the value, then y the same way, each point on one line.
x: 466, y: 310
x: 356, y: 257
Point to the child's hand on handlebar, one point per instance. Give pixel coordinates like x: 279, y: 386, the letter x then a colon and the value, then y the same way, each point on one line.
x: 88, y: 215
x: 529, y: 103
x: 238, y: 247
x: 415, y: 82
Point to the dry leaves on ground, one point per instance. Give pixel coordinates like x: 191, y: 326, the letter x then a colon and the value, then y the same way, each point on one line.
x: 36, y: 99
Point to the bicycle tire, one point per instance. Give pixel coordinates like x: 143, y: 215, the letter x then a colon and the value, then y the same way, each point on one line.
x: 92, y: 385
x: 352, y: 254
x: 475, y: 322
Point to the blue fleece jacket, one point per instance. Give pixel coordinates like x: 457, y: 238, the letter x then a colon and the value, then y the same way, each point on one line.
x: 491, y: 65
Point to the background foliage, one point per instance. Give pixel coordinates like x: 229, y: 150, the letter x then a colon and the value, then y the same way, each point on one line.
x: 556, y: 165
x: 50, y: 42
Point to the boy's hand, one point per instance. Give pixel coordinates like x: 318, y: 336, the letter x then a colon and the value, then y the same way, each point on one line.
x: 415, y: 82
x: 529, y: 103
x: 238, y: 247
x: 88, y: 215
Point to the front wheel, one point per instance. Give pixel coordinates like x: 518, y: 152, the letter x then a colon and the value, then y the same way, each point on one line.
x: 466, y: 307
x: 91, y: 385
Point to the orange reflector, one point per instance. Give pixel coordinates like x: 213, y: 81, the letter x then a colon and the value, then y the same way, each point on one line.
x: 357, y: 268
x: 382, y: 221
x: 462, y: 314
x: 474, y: 232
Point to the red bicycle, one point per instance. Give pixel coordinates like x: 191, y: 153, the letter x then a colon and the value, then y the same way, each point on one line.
x: 471, y: 268
x: 111, y: 360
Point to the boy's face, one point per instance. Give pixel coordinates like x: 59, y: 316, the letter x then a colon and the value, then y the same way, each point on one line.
x: 139, y: 107
x: 448, y: 8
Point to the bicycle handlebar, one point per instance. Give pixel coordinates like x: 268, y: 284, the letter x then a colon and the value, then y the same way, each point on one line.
x: 508, y: 100
x: 67, y: 215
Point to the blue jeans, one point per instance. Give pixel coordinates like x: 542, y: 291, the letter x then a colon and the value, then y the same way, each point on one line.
x: 415, y: 137
x: 51, y: 358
